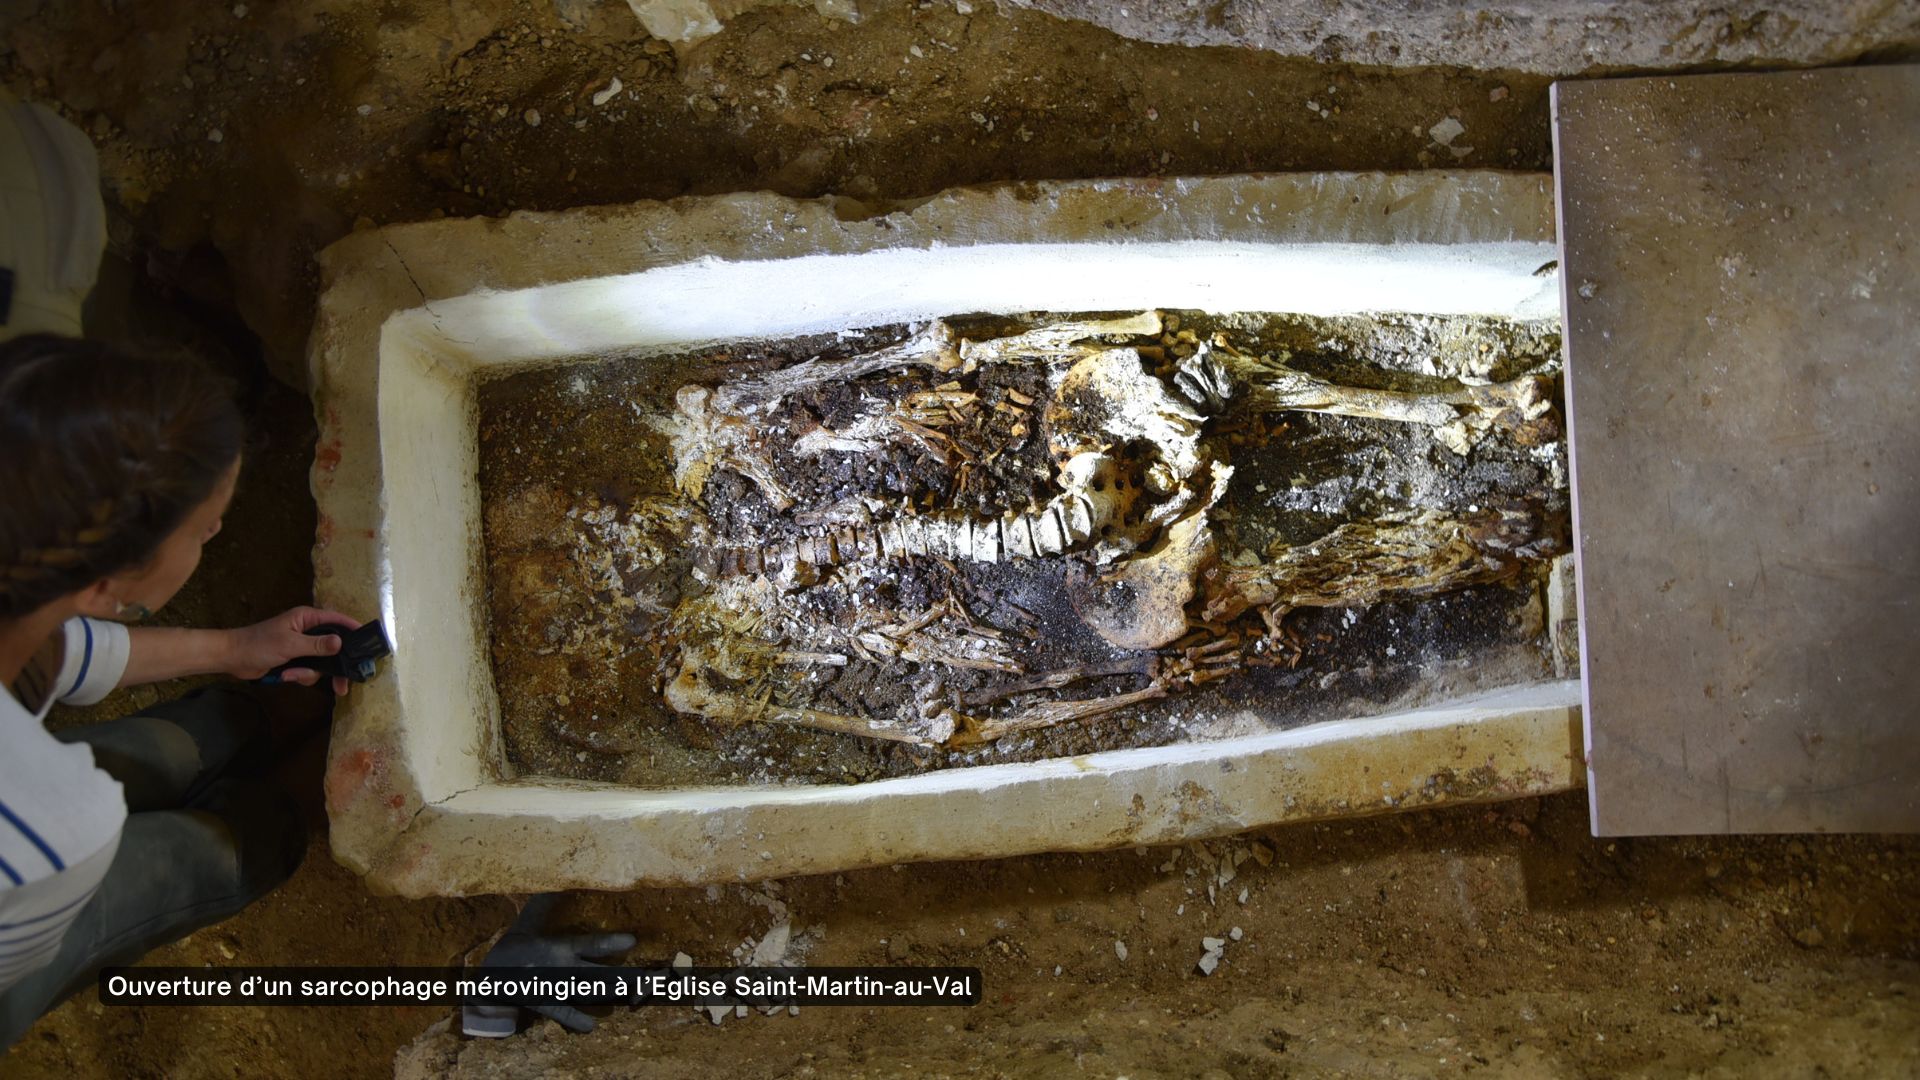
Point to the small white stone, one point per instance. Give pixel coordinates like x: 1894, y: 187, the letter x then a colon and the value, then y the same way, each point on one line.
x: 772, y: 948
x: 604, y: 96
x: 682, y: 962
x: 239, y: 11
x: 739, y: 1010
x: 962, y: 7
x: 215, y: 136
x: 365, y: 110
x: 532, y: 117
x: 1207, y: 964
x: 1213, y: 944
x: 1236, y: 933
x: 1120, y: 949
x: 717, y: 1013
x: 1446, y: 131
x: 793, y: 1010
x: 1243, y: 896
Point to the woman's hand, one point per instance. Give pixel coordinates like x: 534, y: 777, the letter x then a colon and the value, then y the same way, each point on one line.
x: 255, y: 650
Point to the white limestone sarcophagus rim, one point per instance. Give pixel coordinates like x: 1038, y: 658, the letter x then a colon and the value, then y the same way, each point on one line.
x: 418, y: 791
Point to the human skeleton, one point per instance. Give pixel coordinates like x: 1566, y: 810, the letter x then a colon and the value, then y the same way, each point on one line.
x: 1135, y: 476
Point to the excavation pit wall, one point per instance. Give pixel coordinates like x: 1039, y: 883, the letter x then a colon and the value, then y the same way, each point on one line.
x: 419, y: 793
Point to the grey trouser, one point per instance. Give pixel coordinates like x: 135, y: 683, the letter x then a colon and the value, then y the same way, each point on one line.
x: 199, y: 843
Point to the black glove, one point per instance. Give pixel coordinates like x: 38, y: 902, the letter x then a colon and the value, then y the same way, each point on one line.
x: 523, y: 946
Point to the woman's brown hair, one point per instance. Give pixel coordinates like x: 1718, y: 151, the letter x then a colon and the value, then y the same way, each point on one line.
x: 103, y: 452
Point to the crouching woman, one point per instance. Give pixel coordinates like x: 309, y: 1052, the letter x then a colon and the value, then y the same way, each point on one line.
x: 118, y: 837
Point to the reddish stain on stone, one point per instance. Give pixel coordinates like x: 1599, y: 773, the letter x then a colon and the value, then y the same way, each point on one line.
x: 348, y: 777
x: 327, y: 455
x: 323, y: 532
x: 398, y: 802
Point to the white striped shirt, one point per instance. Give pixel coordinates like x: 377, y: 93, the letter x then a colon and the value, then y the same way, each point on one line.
x: 60, y: 815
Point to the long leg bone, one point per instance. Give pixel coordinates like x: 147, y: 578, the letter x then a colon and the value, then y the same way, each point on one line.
x: 972, y: 731
x: 723, y: 428
x: 1056, y: 680
x: 933, y: 345
x: 1062, y: 341
x: 688, y: 692
x: 1458, y: 417
x: 936, y: 346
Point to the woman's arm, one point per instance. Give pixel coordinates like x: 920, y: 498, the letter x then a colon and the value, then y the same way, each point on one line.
x: 158, y: 653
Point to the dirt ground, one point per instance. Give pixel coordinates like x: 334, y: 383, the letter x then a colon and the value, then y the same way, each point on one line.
x: 237, y: 139
x: 1498, y: 941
